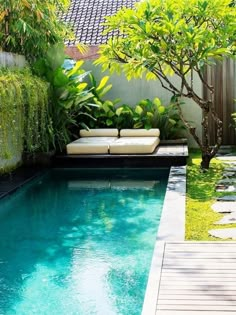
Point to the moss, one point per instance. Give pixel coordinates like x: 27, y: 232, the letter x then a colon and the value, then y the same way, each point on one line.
x: 201, y: 194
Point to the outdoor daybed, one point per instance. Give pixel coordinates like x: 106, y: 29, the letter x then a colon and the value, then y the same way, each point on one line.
x: 111, y: 141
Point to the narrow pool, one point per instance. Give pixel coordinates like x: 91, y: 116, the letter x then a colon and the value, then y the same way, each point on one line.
x: 80, y: 242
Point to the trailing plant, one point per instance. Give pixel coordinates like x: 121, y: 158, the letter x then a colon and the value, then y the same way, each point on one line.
x: 24, y: 117
x: 70, y: 98
x: 30, y: 27
x: 162, y: 38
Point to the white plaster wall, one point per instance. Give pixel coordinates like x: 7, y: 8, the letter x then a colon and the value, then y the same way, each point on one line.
x: 136, y: 89
x: 11, y: 61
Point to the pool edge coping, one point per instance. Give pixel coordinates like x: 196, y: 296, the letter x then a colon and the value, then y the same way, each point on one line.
x: 171, y: 228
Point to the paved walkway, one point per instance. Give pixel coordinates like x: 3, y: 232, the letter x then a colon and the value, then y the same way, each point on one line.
x: 197, y: 278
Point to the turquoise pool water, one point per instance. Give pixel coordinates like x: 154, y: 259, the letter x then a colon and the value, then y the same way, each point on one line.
x: 79, y: 242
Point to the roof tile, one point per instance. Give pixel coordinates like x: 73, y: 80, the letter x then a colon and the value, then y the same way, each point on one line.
x: 86, y: 16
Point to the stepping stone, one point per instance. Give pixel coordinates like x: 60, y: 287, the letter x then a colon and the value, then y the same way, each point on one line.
x: 224, y: 233
x: 227, y: 181
x: 227, y: 158
x: 226, y: 188
x: 224, y: 207
x: 230, y: 169
x: 229, y: 174
x: 227, y: 198
x: 231, y: 163
x: 228, y: 219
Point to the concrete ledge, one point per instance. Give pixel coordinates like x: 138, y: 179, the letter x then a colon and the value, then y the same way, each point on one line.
x: 171, y: 228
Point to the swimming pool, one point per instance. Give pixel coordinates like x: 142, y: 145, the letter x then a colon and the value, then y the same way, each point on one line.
x: 80, y: 242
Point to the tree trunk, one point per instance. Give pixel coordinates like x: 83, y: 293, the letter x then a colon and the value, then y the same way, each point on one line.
x: 206, y: 159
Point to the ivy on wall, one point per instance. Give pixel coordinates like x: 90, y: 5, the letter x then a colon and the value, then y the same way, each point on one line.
x: 24, y: 113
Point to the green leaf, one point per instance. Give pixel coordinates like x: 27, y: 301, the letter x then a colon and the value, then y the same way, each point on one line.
x: 157, y: 101
x: 138, y: 125
x: 102, y: 83
x: 161, y: 109
x: 109, y: 122
x: 138, y: 110
x: 60, y: 79
x: 105, y: 90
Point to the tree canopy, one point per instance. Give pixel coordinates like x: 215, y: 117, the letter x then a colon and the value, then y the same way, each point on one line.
x: 159, y: 38
x: 29, y: 27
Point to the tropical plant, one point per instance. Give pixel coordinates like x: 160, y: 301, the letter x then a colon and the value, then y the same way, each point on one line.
x: 30, y: 27
x: 152, y: 114
x: 162, y: 38
x: 69, y: 94
x: 146, y: 114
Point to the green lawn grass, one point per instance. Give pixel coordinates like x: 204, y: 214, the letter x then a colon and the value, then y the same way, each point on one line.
x: 201, y: 194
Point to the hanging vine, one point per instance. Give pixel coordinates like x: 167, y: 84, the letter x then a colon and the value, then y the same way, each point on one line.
x: 24, y: 114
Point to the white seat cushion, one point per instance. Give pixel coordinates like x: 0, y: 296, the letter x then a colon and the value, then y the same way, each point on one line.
x: 90, y: 145
x: 155, y: 132
x: 134, y: 145
x: 78, y: 147
x: 106, y: 140
x: 103, y: 132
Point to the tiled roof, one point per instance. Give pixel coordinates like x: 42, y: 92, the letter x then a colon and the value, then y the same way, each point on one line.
x: 86, y: 16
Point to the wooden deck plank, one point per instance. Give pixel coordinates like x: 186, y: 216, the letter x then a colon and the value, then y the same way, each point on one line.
x: 196, y: 302
x: 198, y: 279
x: 198, y: 307
x: 185, y: 292
x: 166, y: 312
x: 199, y: 297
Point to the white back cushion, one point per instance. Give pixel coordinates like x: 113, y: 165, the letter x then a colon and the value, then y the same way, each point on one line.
x: 155, y: 132
x: 101, y: 132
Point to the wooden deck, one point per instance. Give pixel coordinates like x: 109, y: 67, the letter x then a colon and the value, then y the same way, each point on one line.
x: 197, y: 278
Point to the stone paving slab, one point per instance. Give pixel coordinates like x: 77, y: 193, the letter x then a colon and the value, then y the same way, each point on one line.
x: 227, y: 198
x: 224, y: 207
x: 230, y: 169
x: 228, y: 219
x: 226, y: 188
x: 229, y: 174
x: 227, y: 158
x: 224, y: 233
x: 227, y: 181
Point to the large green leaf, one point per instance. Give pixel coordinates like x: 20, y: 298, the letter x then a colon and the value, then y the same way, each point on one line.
x: 60, y: 79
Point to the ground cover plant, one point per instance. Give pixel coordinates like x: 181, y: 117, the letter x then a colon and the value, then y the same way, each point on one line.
x: 162, y: 38
x: 201, y: 194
